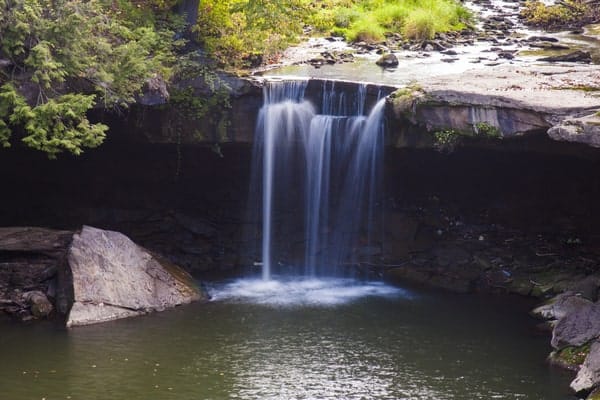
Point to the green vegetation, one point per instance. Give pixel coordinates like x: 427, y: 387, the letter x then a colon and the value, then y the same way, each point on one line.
x: 485, y: 129
x: 572, y: 356
x: 370, y: 20
x: 583, y: 88
x: 566, y: 13
x: 446, y: 140
x: 239, y: 33
x: 61, y: 58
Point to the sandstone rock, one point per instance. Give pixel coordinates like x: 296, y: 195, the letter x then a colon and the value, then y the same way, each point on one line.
x: 560, y: 306
x: 578, y: 326
x: 588, y: 376
x: 114, y: 278
x: 513, y: 100
x: 580, y: 130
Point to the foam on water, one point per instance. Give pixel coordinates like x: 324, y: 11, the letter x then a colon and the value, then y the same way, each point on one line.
x: 299, y: 291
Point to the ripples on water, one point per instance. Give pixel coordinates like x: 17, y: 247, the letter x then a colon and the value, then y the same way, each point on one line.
x: 311, y: 339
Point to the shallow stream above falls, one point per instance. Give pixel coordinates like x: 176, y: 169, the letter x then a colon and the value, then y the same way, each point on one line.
x: 501, y: 39
x: 334, y: 339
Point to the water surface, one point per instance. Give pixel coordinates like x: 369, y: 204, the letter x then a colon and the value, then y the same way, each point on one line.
x: 332, y: 339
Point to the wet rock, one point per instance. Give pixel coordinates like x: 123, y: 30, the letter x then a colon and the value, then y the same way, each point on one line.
x: 576, y: 56
x: 451, y: 255
x: 578, y: 326
x: 154, y: 92
x: 586, y: 287
x: 413, y: 274
x: 560, y: 306
x: 114, y: 278
x: 317, y: 61
x: 506, y: 55
x: 588, y: 377
x: 40, y: 305
x: 430, y: 45
x: 549, y: 46
x: 542, y: 39
x: 570, y: 358
x: 388, y: 61
x: 449, y: 52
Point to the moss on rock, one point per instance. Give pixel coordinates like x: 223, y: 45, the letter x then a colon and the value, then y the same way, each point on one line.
x: 570, y: 357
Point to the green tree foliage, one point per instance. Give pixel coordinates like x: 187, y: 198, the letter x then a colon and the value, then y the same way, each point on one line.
x: 241, y: 32
x: 61, y: 58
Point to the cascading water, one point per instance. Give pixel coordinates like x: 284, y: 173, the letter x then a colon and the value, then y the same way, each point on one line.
x: 319, y: 176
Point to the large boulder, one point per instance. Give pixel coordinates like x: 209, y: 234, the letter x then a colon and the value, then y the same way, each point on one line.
x: 579, y: 326
x: 588, y: 376
x: 115, y: 278
x: 561, y: 305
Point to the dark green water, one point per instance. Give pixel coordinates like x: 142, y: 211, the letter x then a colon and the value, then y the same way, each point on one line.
x: 395, y: 345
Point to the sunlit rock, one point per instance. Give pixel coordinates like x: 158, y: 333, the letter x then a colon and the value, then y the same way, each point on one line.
x: 115, y: 278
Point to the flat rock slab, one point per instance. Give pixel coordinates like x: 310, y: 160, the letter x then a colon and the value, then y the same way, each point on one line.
x: 549, y: 89
x: 502, y: 102
x: 115, y: 278
x: 34, y: 240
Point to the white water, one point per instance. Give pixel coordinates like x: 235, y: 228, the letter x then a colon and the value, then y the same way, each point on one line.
x: 296, y: 291
x: 322, y: 166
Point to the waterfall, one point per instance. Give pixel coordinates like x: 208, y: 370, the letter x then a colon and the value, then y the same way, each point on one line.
x: 318, y: 175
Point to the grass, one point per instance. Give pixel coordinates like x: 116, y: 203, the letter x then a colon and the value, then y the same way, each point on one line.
x: 243, y: 33
x: 370, y: 20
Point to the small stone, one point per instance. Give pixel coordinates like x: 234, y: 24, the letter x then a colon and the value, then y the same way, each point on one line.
x: 576, y: 56
x: 388, y: 60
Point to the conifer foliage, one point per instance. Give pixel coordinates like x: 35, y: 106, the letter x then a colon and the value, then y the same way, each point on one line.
x: 61, y: 58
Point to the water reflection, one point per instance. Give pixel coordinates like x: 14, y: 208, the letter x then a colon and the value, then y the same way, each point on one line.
x: 385, y: 343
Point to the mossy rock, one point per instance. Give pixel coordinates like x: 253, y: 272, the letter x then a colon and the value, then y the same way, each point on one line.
x: 570, y: 357
x: 595, y: 395
x: 404, y: 100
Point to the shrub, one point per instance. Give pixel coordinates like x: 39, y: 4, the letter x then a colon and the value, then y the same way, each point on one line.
x: 551, y: 16
x: 420, y: 25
